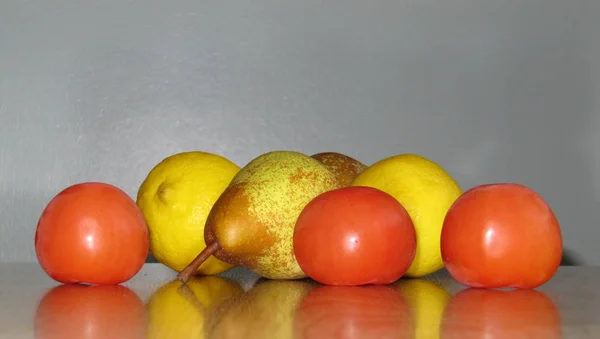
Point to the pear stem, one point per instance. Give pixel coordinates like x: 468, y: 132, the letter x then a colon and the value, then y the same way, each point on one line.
x: 192, y: 267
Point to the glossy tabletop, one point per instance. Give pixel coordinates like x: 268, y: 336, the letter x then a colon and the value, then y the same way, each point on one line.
x: 240, y: 305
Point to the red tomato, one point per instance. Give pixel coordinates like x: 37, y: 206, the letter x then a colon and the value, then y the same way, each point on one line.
x: 484, y: 313
x: 90, y: 312
x: 501, y: 235
x: 354, y: 236
x: 91, y: 233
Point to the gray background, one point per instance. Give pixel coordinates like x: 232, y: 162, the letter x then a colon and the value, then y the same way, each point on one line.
x: 491, y: 90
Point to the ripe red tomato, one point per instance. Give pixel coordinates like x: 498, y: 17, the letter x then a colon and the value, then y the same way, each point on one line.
x: 501, y: 235
x: 91, y: 233
x: 90, y: 312
x: 354, y: 236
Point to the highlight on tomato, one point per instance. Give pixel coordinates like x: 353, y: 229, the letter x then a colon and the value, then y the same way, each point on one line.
x: 354, y: 235
x: 501, y: 235
x: 91, y: 233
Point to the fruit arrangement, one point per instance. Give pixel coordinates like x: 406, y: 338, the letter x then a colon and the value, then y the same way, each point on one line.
x: 288, y: 216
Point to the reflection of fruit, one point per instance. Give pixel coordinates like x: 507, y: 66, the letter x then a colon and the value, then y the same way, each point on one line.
x: 373, y: 311
x: 91, y: 233
x: 176, y: 197
x: 501, y: 235
x: 252, y: 223
x: 427, y: 301
x: 354, y: 236
x: 426, y: 191
x: 266, y: 311
x: 89, y: 312
x: 498, y: 314
x: 344, y: 168
x: 178, y: 311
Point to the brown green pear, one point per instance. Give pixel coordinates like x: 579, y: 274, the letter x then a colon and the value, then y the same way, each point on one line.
x: 252, y: 223
x: 344, y: 167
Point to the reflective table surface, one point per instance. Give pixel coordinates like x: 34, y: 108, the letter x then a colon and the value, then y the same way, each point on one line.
x: 239, y: 304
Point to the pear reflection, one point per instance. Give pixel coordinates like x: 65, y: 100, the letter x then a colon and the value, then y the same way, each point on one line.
x: 354, y: 312
x: 499, y: 314
x: 89, y: 312
x: 265, y: 311
x: 179, y: 311
x: 427, y: 301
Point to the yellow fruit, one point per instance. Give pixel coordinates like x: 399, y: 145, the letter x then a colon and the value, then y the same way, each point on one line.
x: 180, y: 311
x: 253, y: 220
x: 427, y: 301
x: 176, y: 198
x: 426, y: 191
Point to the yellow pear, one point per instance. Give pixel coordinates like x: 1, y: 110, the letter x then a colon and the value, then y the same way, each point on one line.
x: 252, y: 223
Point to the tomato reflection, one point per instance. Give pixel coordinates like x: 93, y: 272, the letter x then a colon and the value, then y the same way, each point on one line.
x: 89, y: 312
x: 499, y: 314
x: 354, y: 312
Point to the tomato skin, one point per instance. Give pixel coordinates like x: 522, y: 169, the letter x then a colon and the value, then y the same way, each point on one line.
x: 501, y: 235
x: 354, y: 236
x: 91, y: 233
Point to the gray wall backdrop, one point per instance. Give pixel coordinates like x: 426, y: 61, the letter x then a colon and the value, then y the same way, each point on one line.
x: 491, y: 90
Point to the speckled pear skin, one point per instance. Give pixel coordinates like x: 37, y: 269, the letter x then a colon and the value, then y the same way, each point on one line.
x: 254, y: 218
x: 345, y: 168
